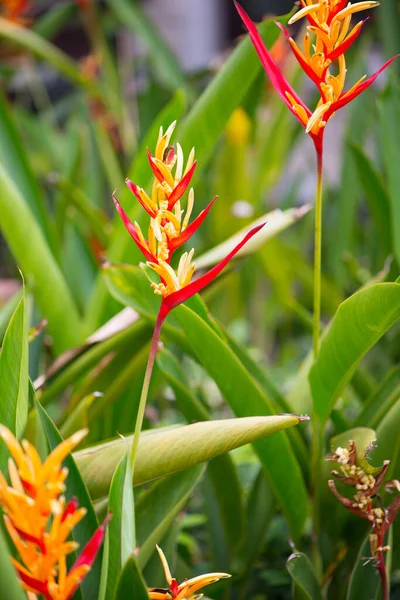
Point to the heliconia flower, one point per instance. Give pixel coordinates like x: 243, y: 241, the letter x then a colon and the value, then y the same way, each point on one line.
x: 186, y: 589
x: 329, y: 23
x: 169, y: 224
x: 39, y: 520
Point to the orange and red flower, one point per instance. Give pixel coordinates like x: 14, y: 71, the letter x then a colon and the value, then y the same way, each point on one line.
x: 39, y: 520
x: 169, y: 225
x: 329, y: 24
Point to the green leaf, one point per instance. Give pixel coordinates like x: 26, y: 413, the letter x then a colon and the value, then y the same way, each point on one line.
x: 22, y: 233
x: 14, y: 375
x: 120, y: 536
x: 84, y: 530
x: 9, y: 584
x: 246, y: 398
x: 131, y: 584
x: 302, y: 572
x: 169, y: 449
x: 358, y: 324
x: 158, y: 507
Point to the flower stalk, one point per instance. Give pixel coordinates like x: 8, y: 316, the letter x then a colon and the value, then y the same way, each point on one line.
x: 169, y: 229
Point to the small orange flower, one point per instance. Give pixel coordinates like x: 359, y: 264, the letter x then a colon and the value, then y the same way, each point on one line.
x: 39, y: 520
x: 186, y: 589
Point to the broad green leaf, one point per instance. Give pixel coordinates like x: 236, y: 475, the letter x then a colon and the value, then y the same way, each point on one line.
x: 159, y: 506
x: 245, y: 397
x: 10, y: 587
x: 167, y: 450
x: 302, y: 572
x: 84, y: 530
x: 275, y: 222
x: 120, y: 536
x: 14, y: 375
x: 358, y: 324
x: 22, y: 233
x: 130, y: 583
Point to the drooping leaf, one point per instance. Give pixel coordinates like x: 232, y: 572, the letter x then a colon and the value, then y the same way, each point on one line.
x: 167, y: 450
x: 358, y: 324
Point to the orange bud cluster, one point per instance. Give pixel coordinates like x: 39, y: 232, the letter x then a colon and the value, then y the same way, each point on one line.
x: 39, y: 520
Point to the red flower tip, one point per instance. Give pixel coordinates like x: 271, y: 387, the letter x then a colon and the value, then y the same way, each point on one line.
x: 154, y: 168
x: 191, y: 229
x: 70, y: 508
x: 176, y: 298
x: 278, y: 80
x: 89, y: 553
x: 132, y: 187
x: 132, y: 230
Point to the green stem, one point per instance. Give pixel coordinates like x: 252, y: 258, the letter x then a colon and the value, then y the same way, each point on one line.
x: 317, y: 430
x: 146, y: 383
x: 317, y: 257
